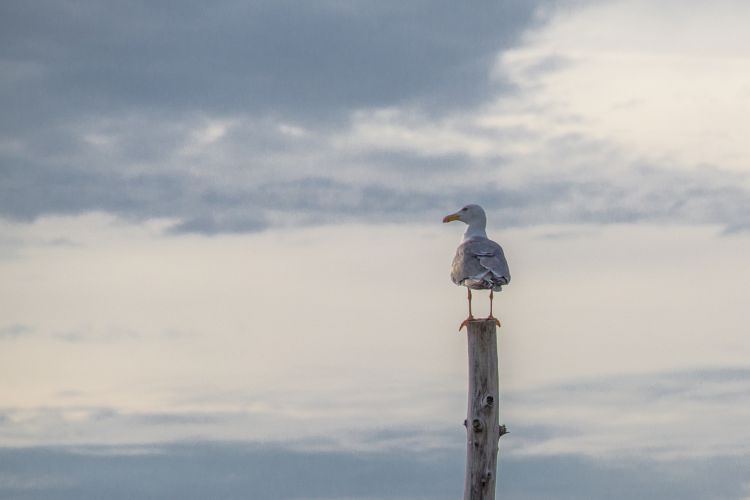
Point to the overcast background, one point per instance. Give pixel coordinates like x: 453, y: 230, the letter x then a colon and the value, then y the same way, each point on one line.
x: 223, y: 272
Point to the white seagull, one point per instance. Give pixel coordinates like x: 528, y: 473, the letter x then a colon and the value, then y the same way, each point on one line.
x: 479, y: 263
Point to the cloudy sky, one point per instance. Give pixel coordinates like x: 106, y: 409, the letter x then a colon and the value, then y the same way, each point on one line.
x: 223, y: 272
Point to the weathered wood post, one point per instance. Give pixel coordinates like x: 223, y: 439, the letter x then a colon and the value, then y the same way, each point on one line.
x: 483, y: 428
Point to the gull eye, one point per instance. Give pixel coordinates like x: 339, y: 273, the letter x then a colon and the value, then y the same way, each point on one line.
x: 463, y: 209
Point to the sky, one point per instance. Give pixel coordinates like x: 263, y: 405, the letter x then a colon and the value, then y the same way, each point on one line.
x: 223, y: 272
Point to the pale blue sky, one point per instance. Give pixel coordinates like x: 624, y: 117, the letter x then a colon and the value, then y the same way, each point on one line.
x: 221, y: 252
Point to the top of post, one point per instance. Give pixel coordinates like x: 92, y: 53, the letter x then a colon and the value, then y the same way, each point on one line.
x: 483, y: 324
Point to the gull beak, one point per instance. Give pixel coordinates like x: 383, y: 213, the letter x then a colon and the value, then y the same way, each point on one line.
x: 451, y: 217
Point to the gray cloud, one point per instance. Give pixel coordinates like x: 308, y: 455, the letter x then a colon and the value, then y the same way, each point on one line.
x: 308, y: 60
x: 139, y: 75
x: 423, y: 188
x: 99, y: 335
x: 105, y: 104
x: 234, y: 470
x: 670, y: 435
x: 15, y: 331
x: 600, y: 419
x: 202, y: 206
x: 660, y: 416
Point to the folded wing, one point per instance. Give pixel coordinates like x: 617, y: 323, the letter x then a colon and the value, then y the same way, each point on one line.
x: 480, y: 264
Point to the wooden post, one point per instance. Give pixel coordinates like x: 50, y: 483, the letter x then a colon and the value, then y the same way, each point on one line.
x: 482, y: 423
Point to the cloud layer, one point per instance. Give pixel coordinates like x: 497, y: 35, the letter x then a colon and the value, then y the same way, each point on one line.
x: 660, y: 417
x: 303, y: 61
x: 275, y: 471
x: 238, y: 118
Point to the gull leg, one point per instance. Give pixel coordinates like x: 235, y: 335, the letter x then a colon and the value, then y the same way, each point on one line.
x: 471, y: 316
x: 492, y: 295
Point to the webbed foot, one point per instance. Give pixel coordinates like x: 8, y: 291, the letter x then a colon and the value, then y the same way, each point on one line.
x: 466, y: 322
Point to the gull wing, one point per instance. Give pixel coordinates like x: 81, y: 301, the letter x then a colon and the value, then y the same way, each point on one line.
x: 480, y: 263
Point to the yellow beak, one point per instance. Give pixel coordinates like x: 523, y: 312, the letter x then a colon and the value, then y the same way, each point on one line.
x: 451, y: 217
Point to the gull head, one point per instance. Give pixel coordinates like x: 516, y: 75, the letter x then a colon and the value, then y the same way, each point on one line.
x: 472, y: 215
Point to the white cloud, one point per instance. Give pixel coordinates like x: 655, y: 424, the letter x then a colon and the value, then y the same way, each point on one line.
x: 667, y: 82
x: 303, y: 332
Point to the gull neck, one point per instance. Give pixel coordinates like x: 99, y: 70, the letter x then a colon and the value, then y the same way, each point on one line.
x: 475, y: 231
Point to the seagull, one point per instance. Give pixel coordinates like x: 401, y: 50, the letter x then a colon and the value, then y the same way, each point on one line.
x: 479, y: 263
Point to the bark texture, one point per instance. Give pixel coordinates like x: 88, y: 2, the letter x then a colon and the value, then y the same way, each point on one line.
x: 482, y: 423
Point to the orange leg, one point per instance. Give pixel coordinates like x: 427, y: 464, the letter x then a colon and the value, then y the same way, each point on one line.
x: 471, y: 316
x: 492, y: 295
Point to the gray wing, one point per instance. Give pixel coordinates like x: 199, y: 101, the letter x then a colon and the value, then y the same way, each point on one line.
x: 480, y: 263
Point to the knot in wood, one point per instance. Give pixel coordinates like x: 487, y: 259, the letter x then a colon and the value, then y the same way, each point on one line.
x: 489, y: 401
x: 486, y: 477
x: 476, y: 424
